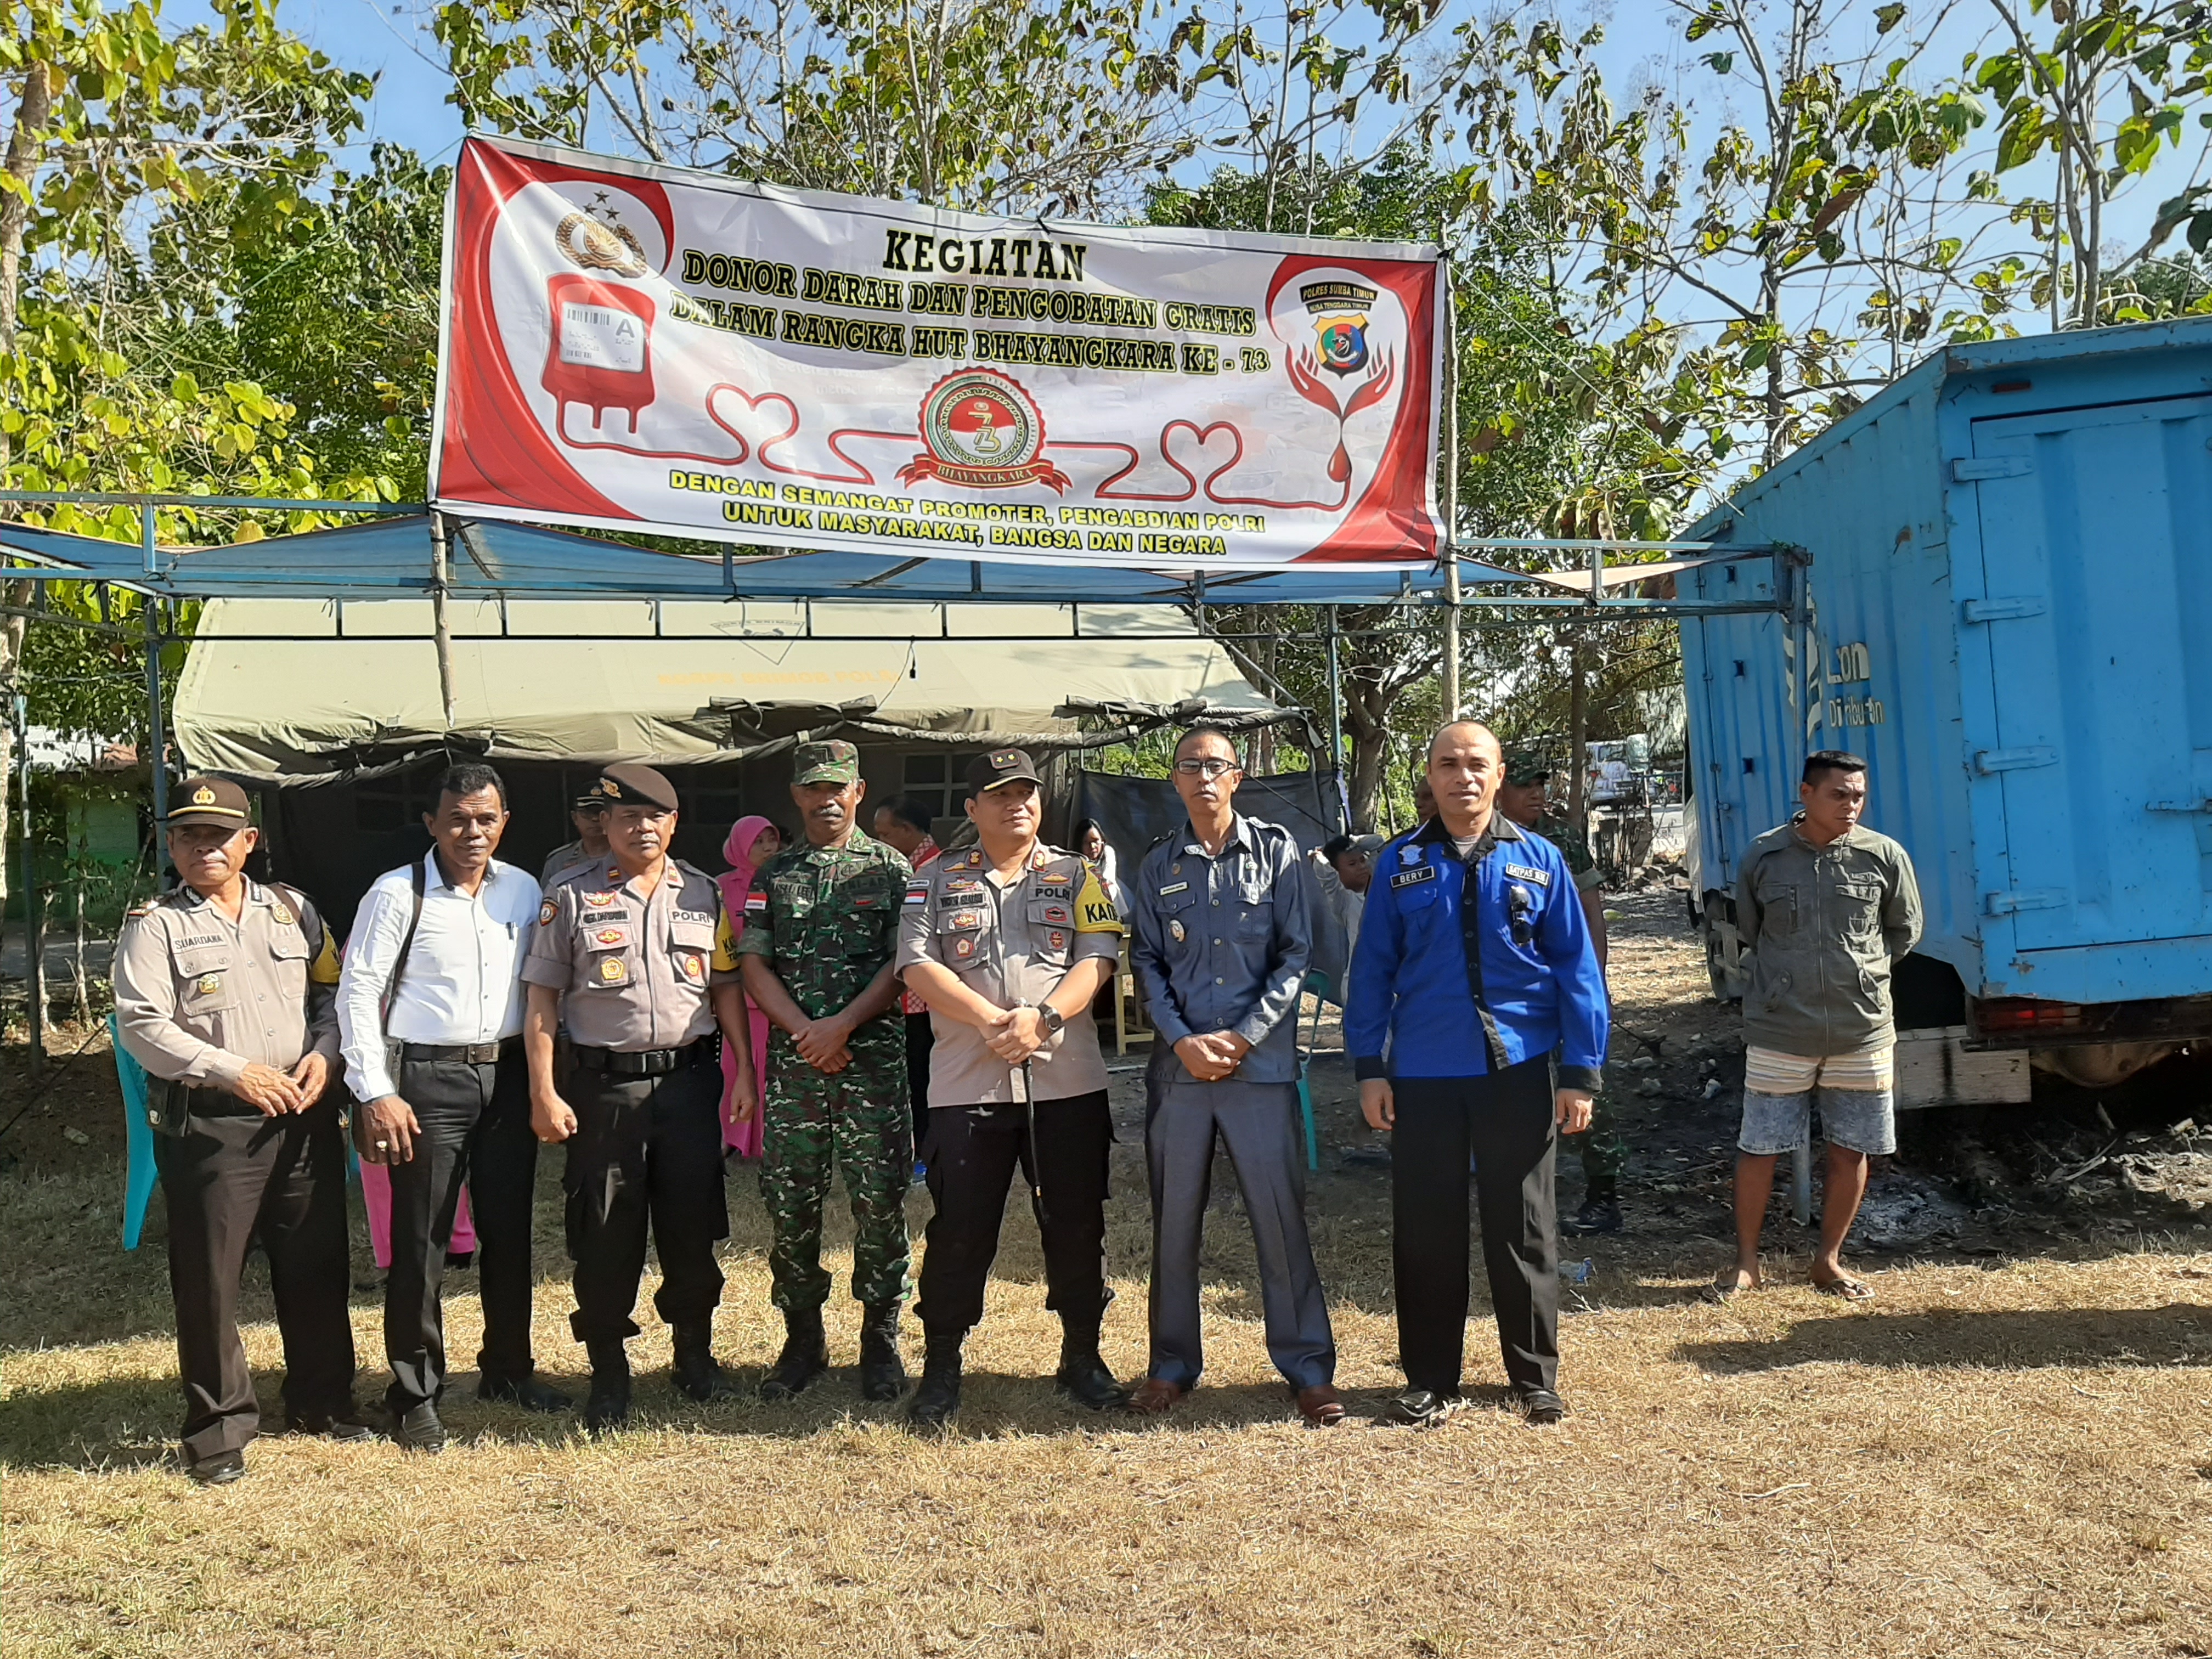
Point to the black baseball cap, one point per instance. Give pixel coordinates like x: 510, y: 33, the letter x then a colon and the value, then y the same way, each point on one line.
x: 630, y: 784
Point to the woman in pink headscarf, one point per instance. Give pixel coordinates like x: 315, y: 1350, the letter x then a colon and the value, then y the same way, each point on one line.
x: 752, y: 843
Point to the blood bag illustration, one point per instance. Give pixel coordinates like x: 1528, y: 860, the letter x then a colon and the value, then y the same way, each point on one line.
x: 601, y: 353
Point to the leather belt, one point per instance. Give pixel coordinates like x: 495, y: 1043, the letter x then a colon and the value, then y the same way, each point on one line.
x: 644, y: 1062
x: 467, y: 1053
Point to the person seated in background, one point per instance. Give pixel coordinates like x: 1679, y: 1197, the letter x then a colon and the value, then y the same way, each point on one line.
x: 1098, y: 852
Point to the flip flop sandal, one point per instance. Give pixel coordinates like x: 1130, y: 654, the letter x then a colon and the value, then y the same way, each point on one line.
x: 1729, y: 1292
x: 1847, y: 1290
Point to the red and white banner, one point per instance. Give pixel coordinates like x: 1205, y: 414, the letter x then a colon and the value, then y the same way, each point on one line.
x: 649, y: 349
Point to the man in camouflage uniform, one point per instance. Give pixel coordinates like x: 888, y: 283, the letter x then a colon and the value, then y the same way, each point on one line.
x: 1604, y: 1154
x: 819, y: 951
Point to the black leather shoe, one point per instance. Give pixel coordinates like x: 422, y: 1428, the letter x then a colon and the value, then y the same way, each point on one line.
x: 608, y: 1406
x: 805, y: 1356
x: 1540, y: 1406
x: 420, y: 1430
x: 220, y: 1470
x: 1084, y: 1378
x: 345, y: 1428
x: 530, y: 1393
x: 1600, y: 1214
x: 883, y: 1373
x: 1419, y: 1408
x: 698, y: 1374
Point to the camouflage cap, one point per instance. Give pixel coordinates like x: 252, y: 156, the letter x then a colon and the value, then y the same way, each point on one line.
x: 1525, y: 764
x: 834, y: 760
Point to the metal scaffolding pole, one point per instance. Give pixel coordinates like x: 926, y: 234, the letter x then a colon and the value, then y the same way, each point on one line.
x: 34, y: 942
x: 157, y: 740
x: 1449, y: 558
x: 440, y: 625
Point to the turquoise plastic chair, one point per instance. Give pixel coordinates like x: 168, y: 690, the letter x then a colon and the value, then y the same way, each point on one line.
x: 138, y: 1174
x: 1324, y: 990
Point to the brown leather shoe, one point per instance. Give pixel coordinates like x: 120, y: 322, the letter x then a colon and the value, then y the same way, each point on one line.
x: 1155, y: 1395
x: 1321, y: 1406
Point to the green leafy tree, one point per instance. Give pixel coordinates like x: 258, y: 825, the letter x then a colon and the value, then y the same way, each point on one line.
x: 135, y: 147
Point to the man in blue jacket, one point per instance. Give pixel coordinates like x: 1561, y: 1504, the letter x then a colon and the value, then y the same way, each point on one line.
x: 1474, y: 965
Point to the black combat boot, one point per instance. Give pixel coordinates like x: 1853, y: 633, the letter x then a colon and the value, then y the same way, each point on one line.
x: 1600, y: 1210
x: 805, y: 1355
x: 608, y: 1407
x: 696, y: 1373
x: 937, y: 1400
x: 883, y: 1376
x: 1083, y: 1376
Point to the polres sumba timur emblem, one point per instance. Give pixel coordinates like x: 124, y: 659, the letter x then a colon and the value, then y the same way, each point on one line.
x: 981, y: 429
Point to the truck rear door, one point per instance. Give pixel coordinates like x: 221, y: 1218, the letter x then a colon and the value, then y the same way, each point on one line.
x: 2096, y: 552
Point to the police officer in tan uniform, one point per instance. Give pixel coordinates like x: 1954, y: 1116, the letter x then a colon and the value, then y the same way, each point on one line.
x: 635, y: 956
x: 225, y: 992
x: 1008, y: 944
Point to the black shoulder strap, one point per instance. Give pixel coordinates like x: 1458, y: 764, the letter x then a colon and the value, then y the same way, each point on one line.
x: 419, y: 878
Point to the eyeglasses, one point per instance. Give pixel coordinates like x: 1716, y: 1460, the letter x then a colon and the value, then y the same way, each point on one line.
x: 1212, y: 767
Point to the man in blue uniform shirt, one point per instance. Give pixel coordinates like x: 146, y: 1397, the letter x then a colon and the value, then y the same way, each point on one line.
x: 1474, y: 964
x: 1223, y: 934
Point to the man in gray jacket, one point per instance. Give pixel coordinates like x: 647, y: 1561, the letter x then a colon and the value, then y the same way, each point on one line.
x: 1825, y: 908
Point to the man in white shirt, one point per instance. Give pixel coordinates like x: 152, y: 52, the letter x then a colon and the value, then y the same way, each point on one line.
x: 434, y: 1051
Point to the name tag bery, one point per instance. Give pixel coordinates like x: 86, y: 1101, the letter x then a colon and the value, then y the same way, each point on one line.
x: 1419, y: 873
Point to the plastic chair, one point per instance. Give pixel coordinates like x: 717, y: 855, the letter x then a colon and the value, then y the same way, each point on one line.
x: 1127, y: 1028
x: 1323, y: 989
x: 138, y: 1130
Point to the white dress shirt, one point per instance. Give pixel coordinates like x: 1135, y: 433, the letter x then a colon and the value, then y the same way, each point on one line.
x: 464, y: 978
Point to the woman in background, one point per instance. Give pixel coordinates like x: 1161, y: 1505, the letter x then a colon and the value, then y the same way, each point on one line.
x: 752, y: 841
x: 1090, y: 842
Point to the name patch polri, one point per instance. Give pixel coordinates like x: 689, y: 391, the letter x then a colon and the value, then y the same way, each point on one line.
x: 1419, y: 873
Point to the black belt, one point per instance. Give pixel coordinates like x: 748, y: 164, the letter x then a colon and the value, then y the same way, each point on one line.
x: 645, y: 1062
x: 466, y: 1054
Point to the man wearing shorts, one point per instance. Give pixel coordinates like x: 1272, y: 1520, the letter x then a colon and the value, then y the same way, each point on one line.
x: 1825, y: 908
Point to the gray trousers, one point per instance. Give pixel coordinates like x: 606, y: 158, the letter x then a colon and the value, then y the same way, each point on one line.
x: 1258, y: 1123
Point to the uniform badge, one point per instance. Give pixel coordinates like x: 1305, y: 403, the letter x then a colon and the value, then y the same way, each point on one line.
x: 1056, y: 913
x: 1175, y: 887
x: 283, y: 914
x: 963, y: 947
x: 1175, y: 869
x: 1055, y: 940
x: 756, y: 901
x: 547, y: 911
x: 1419, y: 872
x: 693, y: 968
x: 613, y: 970
x: 1055, y: 878
x: 608, y: 936
x: 1524, y: 872
x: 917, y: 891
x: 599, y: 899
x: 965, y: 919
x: 203, y: 796
x: 208, y: 984
x: 1175, y: 931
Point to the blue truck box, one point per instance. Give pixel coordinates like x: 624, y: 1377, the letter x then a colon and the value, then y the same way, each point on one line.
x: 2008, y: 611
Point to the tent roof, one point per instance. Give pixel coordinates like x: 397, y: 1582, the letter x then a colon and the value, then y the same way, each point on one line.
x: 489, y: 558
x: 272, y: 688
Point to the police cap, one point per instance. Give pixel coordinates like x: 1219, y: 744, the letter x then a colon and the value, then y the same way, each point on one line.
x: 631, y: 784
x: 832, y: 761
x: 209, y: 800
x: 987, y: 771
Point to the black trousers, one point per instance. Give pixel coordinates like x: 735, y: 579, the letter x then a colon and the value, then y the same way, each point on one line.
x: 920, y: 1038
x: 475, y: 1129
x: 647, y: 1152
x: 231, y: 1174
x: 972, y: 1154
x: 1505, y: 1120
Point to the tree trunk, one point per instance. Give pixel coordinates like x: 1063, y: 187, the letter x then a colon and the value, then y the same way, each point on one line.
x: 1370, y: 747
x: 23, y: 143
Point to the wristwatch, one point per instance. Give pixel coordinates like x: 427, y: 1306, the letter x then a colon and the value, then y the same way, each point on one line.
x: 1052, y: 1019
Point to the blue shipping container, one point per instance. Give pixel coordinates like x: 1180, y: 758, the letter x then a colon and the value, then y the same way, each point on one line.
x: 2011, y: 618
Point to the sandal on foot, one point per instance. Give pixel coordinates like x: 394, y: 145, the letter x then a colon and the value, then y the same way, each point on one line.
x: 1847, y: 1288
x: 1729, y: 1283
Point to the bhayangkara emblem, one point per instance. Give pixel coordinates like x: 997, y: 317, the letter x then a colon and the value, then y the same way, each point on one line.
x: 981, y: 429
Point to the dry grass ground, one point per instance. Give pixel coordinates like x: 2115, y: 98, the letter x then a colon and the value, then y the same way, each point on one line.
x: 2009, y: 1455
